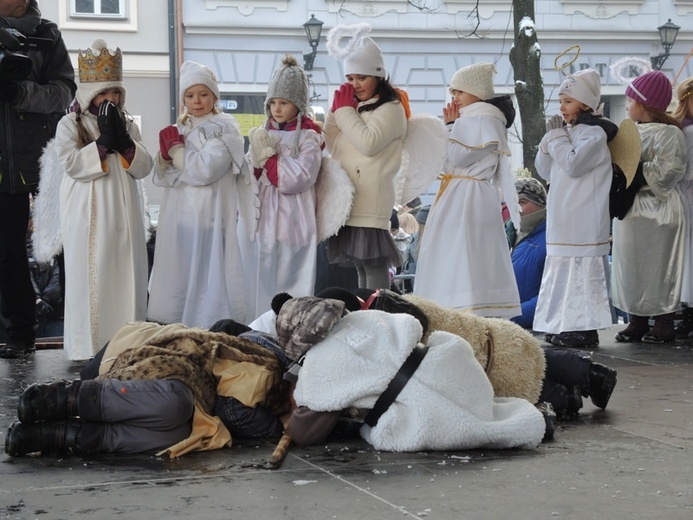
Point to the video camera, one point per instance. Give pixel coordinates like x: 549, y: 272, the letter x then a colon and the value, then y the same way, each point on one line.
x: 15, y: 66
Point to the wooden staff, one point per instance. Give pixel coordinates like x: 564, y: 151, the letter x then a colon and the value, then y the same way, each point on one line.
x: 280, y: 451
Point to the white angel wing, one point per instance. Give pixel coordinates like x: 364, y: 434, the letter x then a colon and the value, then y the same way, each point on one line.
x: 47, y: 237
x: 334, y: 194
x: 248, y: 199
x: 423, y: 156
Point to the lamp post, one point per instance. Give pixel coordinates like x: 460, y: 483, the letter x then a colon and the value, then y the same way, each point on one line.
x: 667, y: 34
x: 313, y: 28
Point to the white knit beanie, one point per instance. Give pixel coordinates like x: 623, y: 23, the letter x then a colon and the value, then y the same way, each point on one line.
x: 361, y: 55
x: 288, y: 82
x: 476, y: 79
x: 100, y: 69
x: 193, y: 73
x: 583, y: 86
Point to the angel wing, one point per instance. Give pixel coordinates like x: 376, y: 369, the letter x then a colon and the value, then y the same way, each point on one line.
x: 47, y: 237
x: 248, y: 200
x: 334, y: 194
x: 423, y: 155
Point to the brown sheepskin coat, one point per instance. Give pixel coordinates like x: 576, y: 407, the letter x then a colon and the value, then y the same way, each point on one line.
x: 188, y: 355
x: 513, y: 359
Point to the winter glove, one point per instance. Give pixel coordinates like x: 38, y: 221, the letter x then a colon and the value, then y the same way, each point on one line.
x: 106, y: 119
x: 168, y: 138
x: 554, y: 122
x: 125, y: 142
x: 344, y: 97
x: 8, y: 90
x: 43, y: 307
x: 262, y: 146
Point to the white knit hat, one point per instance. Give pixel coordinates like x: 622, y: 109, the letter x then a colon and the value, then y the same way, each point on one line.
x: 288, y: 82
x: 476, y: 79
x: 583, y: 86
x: 361, y: 55
x: 100, y: 69
x: 193, y: 73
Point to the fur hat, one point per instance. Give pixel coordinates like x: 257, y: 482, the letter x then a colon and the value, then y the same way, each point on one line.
x: 476, y: 79
x: 100, y: 69
x: 653, y: 89
x: 583, y: 86
x: 303, y: 322
x: 193, y: 73
x: 288, y: 81
x: 531, y: 189
x: 361, y: 55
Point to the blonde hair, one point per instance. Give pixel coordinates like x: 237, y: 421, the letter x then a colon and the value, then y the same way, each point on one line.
x: 408, y: 223
x: 683, y: 92
x: 185, y: 116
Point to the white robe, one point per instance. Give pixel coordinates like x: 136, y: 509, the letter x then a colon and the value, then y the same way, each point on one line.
x: 448, y: 402
x: 103, y: 239
x: 198, y: 277
x: 649, y: 242
x: 464, y: 260
x: 283, y: 257
x: 574, y: 288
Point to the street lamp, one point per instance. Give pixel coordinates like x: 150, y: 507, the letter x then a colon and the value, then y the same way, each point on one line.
x: 667, y: 34
x: 313, y: 28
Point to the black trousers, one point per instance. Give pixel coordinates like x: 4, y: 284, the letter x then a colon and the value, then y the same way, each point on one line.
x: 16, y: 292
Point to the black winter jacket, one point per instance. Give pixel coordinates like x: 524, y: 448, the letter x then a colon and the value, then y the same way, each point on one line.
x: 28, y: 121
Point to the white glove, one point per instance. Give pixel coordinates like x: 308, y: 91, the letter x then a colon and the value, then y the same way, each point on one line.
x: 554, y: 122
x: 262, y: 146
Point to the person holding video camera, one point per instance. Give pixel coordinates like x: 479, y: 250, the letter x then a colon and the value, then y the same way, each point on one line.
x: 36, y: 87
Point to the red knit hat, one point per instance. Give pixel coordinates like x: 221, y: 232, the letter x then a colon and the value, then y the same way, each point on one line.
x: 652, y: 89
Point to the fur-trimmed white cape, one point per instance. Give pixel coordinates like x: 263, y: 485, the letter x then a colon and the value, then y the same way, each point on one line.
x: 447, y: 404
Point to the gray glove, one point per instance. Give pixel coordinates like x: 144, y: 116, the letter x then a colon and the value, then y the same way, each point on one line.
x: 554, y: 122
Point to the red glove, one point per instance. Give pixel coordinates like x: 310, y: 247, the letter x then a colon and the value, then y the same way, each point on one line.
x: 168, y: 138
x: 344, y: 97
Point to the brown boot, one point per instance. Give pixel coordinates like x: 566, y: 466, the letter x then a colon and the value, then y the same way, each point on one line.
x: 637, y: 327
x: 663, y: 330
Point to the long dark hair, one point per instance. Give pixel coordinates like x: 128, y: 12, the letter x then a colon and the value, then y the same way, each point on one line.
x: 385, y: 92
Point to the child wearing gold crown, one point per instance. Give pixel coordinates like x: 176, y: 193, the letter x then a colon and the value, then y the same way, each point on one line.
x: 198, y: 276
x: 99, y: 149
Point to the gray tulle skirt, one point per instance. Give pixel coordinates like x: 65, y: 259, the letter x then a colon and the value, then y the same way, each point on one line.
x: 369, y: 246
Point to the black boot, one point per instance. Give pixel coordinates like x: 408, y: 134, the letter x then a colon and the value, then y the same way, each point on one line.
x: 576, y: 339
x: 47, y: 402
x: 663, y: 330
x: 49, y: 438
x: 602, y: 383
x: 685, y: 326
x: 637, y: 327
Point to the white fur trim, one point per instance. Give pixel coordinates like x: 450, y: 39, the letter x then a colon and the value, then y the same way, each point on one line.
x: 355, y: 32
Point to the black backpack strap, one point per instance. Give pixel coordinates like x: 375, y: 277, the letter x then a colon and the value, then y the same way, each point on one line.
x: 396, y: 385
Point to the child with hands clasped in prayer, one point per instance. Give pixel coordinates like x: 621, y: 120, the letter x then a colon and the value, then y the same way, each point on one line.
x: 365, y: 130
x: 464, y: 262
x: 286, y: 154
x: 101, y: 208
x: 198, y: 277
x: 575, y: 159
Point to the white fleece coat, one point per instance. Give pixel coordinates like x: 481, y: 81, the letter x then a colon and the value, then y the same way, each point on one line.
x: 447, y: 404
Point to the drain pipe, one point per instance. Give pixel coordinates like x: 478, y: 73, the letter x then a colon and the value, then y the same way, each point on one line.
x: 172, y: 60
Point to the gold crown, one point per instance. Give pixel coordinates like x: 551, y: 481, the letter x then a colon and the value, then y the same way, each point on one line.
x: 101, y: 67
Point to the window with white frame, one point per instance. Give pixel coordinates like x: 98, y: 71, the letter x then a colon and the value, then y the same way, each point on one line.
x: 98, y: 8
